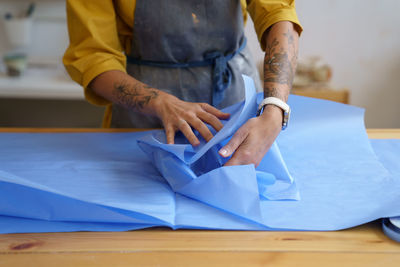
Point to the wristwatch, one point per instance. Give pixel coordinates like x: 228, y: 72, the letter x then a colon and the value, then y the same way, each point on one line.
x: 280, y: 104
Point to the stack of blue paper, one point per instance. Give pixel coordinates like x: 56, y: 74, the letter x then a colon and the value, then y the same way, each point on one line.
x: 321, y: 174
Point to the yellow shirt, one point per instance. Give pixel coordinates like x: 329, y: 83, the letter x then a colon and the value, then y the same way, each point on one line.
x: 100, y: 34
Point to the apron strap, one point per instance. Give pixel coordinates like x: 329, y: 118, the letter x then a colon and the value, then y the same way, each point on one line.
x: 221, y: 74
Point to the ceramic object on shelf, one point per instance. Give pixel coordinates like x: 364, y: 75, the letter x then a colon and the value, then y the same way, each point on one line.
x: 15, y: 64
x: 18, y: 31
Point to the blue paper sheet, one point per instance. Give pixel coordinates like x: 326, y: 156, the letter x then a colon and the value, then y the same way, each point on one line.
x: 388, y: 151
x: 105, y: 182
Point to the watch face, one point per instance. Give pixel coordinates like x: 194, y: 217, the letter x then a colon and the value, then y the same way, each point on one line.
x: 286, y: 117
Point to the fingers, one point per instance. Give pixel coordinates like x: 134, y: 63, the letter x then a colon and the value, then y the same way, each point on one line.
x: 185, y: 129
x: 183, y: 125
x: 250, y: 143
x: 240, y: 157
x: 197, y: 120
x: 211, y: 119
x: 243, y: 153
x: 201, y: 128
x: 182, y: 116
x: 234, y: 143
x: 170, y: 133
x: 188, y: 133
x: 216, y: 112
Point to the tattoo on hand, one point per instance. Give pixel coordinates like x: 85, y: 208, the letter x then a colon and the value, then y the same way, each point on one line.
x: 135, y: 96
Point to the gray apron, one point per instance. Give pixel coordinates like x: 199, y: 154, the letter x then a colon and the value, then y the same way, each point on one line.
x: 193, y: 49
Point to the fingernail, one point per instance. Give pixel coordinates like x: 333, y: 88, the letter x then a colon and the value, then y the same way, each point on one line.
x: 223, y: 152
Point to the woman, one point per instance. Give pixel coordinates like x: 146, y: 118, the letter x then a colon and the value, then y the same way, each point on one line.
x: 173, y: 63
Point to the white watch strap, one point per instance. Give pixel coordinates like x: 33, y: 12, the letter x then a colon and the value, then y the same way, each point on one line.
x: 279, y: 103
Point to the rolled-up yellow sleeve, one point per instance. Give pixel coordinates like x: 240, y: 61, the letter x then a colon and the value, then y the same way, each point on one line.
x: 94, y: 43
x: 267, y: 12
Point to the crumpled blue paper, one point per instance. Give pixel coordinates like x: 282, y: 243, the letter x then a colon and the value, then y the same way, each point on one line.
x: 104, y: 182
x: 198, y: 172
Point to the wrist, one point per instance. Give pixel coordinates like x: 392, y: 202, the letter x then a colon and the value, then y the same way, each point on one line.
x: 156, y: 105
x: 276, y: 102
x: 160, y: 106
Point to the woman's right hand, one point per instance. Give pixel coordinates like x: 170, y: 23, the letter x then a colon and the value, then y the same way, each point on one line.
x: 177, y: 115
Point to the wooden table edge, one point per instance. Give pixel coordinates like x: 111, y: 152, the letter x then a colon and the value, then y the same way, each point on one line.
x: 371, y: 131
x: 390, y: 133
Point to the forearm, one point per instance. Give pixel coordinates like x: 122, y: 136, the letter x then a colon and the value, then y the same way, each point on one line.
x: 280, y: 59
x: 175, y: 114
x: 120, y: 88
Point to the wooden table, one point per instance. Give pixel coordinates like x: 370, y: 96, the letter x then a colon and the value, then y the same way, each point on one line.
x: 341, y: 96
x: 364, y: 245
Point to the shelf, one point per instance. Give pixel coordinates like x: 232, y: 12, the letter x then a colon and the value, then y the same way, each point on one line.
x: 40, y: 83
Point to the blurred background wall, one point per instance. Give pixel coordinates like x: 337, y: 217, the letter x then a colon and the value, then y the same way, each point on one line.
x: 44, y: 96
x: 359, y: 39
x: 49, y: 30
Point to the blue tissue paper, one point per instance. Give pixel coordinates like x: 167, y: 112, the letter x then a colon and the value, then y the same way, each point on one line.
x: 321, y: 174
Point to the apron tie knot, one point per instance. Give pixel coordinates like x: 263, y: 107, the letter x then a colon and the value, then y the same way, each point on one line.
x: 221, y: 75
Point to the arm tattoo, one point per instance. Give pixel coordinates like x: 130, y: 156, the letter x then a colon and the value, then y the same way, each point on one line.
x: 279, y: 68
x: 134, y: 96
x: 289, y: 36
x: 274, y: 92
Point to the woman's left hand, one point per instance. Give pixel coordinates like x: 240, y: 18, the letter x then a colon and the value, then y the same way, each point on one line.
x: 252, y: 141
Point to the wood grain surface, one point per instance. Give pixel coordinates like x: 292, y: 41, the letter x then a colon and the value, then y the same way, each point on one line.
x: 372, y: 133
